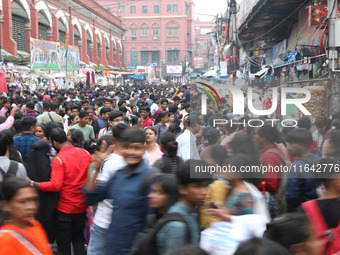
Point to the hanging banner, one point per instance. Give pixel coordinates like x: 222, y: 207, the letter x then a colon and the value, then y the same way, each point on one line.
x: 44, y: 55
x: 72, y: 57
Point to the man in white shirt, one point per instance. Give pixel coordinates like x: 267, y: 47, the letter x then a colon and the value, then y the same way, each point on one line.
x: 187, y: 148
x: 154, y: 107
x: 102, y: 219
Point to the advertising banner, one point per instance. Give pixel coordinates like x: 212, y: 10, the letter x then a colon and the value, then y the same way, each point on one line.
x: 174, y: 69
x: 44, y: 55
x: 72, y: 57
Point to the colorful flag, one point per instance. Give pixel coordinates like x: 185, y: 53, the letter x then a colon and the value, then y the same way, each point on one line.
x: 66, y: 44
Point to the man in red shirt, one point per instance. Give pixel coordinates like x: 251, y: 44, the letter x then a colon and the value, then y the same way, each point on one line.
x: 163, y: 108
x: 68, y: 175
x: 272, y: 157
x: 147, y: 122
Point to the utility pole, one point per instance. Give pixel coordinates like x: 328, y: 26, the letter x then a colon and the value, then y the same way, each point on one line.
x: 333, y: 55
x: 233, y: 11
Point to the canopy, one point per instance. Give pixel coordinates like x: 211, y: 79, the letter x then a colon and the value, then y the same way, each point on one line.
x: 137, y: 77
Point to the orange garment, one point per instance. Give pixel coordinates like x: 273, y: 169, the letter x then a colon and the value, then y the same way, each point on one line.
x: 35, y: 234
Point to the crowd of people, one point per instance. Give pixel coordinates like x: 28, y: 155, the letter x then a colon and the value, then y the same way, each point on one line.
x: 114, y: 171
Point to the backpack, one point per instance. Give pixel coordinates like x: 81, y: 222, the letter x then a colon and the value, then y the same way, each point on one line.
x: 329, y: 238
x: 281, y: 192
x: 12, y: 172
x: 145, y: 242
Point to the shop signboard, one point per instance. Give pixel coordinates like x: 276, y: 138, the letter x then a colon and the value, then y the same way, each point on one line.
x: 44, y: 55
x: 174, y: 69
x: 318, y: 14
x: 72, y: 57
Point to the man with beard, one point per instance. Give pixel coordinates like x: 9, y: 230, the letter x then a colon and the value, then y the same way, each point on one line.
x: 68, y: 175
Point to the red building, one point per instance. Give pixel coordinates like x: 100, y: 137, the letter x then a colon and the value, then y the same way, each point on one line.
x: 96, y: 31
x: 157, y: 30
x: 203, y: 48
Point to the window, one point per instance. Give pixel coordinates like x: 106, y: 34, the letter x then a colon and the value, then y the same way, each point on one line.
x: 88, y: 50
x: 198, y: 49
x: 172, y: 31
x: 173, y: 55
x: 134, y: 59
x: 107, y: 52
x: 98, y: 50
x: 168, y: 8
x: 123, y: 9
x: 145, y: 32
x: 144, y: 57
x: 188, y: 11
x: 62, y: 36
x: 175, y: 31
x: 155, y: 57
x: 205, y: 46
x: 155, y: 31
x: 169, y: 31
x: 156, y: 8
x: 19, y: 32
x: 145, y: 9
x: 134, y: 32
x: 42, y: 32
x: 76, y: 40
x: 132, y: 9
x: 175, y: 8
x: 125, y: 57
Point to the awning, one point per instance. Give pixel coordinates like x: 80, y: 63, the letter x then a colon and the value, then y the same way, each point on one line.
x: 137, y: 77
x: 120, y: 72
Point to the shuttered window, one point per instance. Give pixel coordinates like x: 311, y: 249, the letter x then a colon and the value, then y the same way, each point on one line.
x: 43, y: 32
x: 19, y: 33
x: 144, y: 57
x: 134, y: 59
x: 98, y: 50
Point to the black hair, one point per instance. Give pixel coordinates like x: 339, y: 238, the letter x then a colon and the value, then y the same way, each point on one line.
x: 43, y: 127
x: 173, y: 108
x: 75, y: 107
x: 134, y: 120
x: 243, y: 144
x: 184, y: 176
x: 164, y: 100
x: 145, y: 108
x: 90, y: 146
x: 186, y: 106
x: 18, y: 115
x: 77, y: 138
x: 321, y: 122
x: 174, y: 128
x: 304, y: 122
x: 212, y: 136
x: 30, y: 105
x: 50, y: 126
x: 300, y: 136
x: 83, y: 114
x: 133, y: 135
x: 334, y: 138
x: 104, y: 110
x: 46, y: 105
x: 123, y: 109
x: 176, y: 98
x: 192, y: 120
x: 28, y: 122
x: 58, y: 135
x: 73, y: 116
x: 5, y: 141
x: 153, y: 129
x: 269, y: 132
x: 117, y: 131
x: 108, y: 100
x: 160, y: 116
x: 115, y: 114
x: 261, y: 246
x: 105, y: 138
x: 218, y: 153
x: 187, y: 250
x: 2, y: 119
x: 169, y: 144
x: 17, y: 125
x: 40, y: 97
x: 280, y: 231
x: 54, y: 106
x: 168, y: 184
x: 89, y: 107
x: 120, y: 103
x: 84, y: 102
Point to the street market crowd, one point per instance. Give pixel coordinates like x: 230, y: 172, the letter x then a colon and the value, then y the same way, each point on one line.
x: 110, y: 170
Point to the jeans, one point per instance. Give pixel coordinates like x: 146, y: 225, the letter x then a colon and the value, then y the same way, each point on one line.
x: 70, y: 229
x: 97, y: 244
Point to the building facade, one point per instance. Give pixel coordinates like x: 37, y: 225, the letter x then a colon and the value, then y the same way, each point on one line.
x: 96, y: 31
x: 157, y: 31
x: 203, y: 58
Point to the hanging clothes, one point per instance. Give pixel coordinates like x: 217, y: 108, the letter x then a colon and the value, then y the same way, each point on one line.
x: 3, y: 84
x: 88, y: 79
x: 93, y: 80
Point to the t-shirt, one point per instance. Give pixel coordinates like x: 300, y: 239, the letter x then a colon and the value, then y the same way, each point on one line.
x: 87, y: 131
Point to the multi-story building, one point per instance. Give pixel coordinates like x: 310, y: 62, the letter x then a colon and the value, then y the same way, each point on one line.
x: 203, y: 48
x: 157, y: 31
x: 96, y: 31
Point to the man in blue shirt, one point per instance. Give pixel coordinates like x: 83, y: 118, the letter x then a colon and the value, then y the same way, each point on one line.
x: 302, y: 184
x: 104, y: 115
x: 186, y: 94
x: 130, y: 205
x: 26, y: 140
x: 193, y: 192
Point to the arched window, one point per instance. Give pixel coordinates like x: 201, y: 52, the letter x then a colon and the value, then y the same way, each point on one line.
x: 19, y: 18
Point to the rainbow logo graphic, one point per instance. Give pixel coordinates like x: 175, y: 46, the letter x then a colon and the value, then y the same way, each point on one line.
x: 204, y: 101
